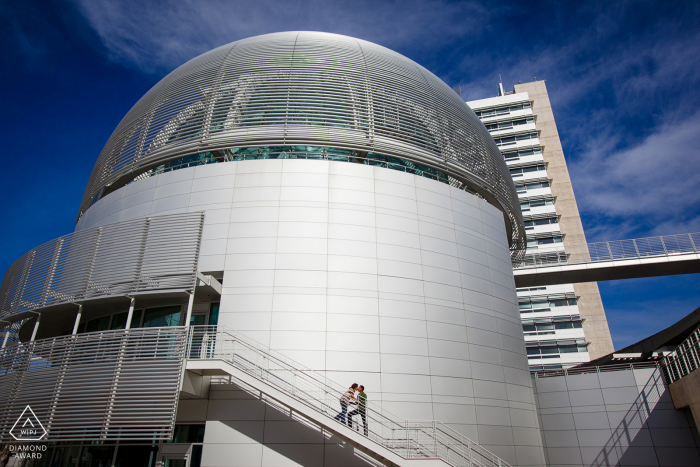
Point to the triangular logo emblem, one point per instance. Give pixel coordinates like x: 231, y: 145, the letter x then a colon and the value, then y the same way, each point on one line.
x: 28, y: 427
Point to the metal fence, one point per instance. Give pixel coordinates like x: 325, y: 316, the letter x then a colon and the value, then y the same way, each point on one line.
x: 615, y: 251
x: 584, y: 370
x: 684, y: 359
x: 97, y: 386
x: 154, y: 253
x: 408, y: 439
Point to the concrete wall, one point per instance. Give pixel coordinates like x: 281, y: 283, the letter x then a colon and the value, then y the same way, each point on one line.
x: 619, y: 418
x: 375, y: 276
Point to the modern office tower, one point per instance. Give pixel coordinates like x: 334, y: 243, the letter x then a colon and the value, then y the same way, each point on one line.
x: 340, y: 214
x: 564, y: 324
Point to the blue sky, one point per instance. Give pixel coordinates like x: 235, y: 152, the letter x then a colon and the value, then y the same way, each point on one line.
x: 623, y: 78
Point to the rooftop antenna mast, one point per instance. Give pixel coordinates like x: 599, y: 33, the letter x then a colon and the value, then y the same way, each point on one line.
x: 500, y: 86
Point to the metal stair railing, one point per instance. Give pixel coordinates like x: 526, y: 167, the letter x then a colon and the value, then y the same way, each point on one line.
x: 682, y: 361
x: 408, y: 439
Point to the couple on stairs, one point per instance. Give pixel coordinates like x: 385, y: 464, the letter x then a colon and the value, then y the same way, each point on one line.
x: 349, y: 398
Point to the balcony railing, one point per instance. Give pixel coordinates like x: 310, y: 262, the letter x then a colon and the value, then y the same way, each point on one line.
x: 96, y: 386
x: 684, y: 359
x: 409, y: 439
x: 149, y: 254
x: 618, y: 250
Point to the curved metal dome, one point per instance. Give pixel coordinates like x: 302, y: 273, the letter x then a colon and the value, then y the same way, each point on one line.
x: 307, y: 89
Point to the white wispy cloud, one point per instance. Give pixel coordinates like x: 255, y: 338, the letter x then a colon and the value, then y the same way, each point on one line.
x: 161, y: 35
x: 655, y: 180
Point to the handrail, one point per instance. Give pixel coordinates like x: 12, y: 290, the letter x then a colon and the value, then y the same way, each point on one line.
x: 684, y: 359
x: 584, y: 370
x: 408, y: 439
x: 617, y: 250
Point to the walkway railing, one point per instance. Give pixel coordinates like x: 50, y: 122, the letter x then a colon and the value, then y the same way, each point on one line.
x: 617, y: 250
x: 684, y: 359
x: 408, y: 439
x: 584, y: 370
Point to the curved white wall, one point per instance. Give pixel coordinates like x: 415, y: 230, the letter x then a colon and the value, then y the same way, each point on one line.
x: 387, y: 279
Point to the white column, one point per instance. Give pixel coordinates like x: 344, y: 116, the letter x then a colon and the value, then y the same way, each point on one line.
x: 190, y: 304
x: 77, y: 320
x: 7, y: 334
x: 131, y: 313
x: 36, y: 327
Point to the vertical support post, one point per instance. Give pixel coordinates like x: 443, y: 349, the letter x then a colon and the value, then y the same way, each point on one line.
x: 190, y: 304
x: 36, y: 327
x: 7, y: 334
x: 131, y: 313
x: 77, y: 320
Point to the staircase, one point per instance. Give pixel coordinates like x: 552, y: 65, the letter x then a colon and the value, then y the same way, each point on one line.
x: 214, y: 350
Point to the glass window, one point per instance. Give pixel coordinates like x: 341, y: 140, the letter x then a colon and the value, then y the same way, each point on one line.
x: 533, y: 350
x: 568, y: 348
x: 119, y: 321
x: 97, y: 456
x: 529, y: 328
x: 66, y: 457
x: 549, y: 350
x: 162, y: 317
x: 198, y: 319
x: 563, y: 302
x: 188, y: 434
x: 98, y: 324
x: 214, y: 314
x: 196, y: 460
x: 566, y: 325
x: 136, y: 319
x: 136, y: 456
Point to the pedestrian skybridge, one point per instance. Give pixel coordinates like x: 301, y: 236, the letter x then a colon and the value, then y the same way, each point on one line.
x: 605, y: 261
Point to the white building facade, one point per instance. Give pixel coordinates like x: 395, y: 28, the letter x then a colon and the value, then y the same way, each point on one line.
x: 357, y: 218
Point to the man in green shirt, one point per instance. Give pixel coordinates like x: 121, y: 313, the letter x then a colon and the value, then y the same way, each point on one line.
x: 361, y: 408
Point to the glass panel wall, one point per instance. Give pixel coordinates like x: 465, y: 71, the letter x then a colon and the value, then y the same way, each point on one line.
x: 162, y: 317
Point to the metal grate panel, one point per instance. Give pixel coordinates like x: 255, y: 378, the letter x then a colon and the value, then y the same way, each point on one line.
x: 306, y: 88
x: 96, y: 386
x: 155, y: 253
